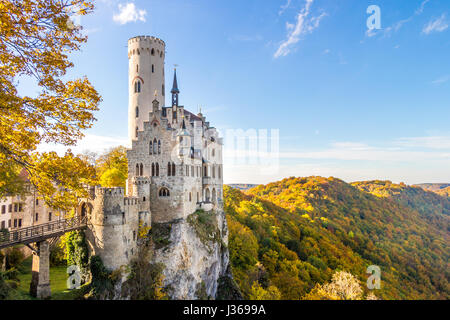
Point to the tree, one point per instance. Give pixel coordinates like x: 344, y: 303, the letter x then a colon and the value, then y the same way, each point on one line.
x: 343, y: 286
x: 112, y: 167
x: 259, y: 293
x: 35, y: 40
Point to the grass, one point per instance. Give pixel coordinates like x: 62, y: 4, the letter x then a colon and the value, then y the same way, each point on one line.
x: 58, y: 284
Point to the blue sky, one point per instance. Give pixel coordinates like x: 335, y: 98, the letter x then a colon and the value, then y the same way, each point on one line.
x: 348, y: 102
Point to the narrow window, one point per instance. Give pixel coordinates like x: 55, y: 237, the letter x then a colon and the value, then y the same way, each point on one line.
x: 157, y: 169
x: 151, y: 148
x: 155, y: 146
x: 10, y: 208
x: 169, y: 169
x: 153, y: 68
x: 137, y: 68
x: 153, y: 52
x: 15, y: 207
x: 49, y: 216
x: 153, y: 169
x: 3, y: 209
x: 136, y: 133
x: 141, y: 170
x: 37, y: 217
x: 137, y: 170
x: 20, y: 223
x: 15, y: 223
x: 173, y: 170
x: 190, y: 197
x: 37, y: 202
x: 137, y: 112
x: 139, y: 86
x: 159, y: 146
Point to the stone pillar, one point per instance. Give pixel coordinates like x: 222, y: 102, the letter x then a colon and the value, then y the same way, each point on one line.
x: 40, y: 278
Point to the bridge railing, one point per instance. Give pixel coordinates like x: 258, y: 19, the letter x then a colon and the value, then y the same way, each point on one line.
x: 46, y: 230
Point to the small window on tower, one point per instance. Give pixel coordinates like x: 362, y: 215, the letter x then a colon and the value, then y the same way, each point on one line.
x: 137, y: 68
x: 153, y: 52
x: 137, y: 112
x: 153, y: 68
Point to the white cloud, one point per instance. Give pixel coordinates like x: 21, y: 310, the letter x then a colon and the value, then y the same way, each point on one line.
x: 129, y: 13
x: 399, y: 24
x: 284, y: 7
x: 437, y: 25
x: 90, y: 142
x: 304, y: 25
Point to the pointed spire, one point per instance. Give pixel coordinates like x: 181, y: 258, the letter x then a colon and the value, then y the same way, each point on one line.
x: 175, y: 83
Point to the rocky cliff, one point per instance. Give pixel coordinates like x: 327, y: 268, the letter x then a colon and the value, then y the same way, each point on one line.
x: 194, y: 252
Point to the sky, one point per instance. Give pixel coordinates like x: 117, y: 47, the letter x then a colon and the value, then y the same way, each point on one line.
x: 341, y: 99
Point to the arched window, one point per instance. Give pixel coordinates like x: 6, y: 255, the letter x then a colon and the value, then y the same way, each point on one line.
x: 159, y: 146
x: 153, y: 169
x: 153, y: 68
x: 137, y: 86
x: 137, y: 112
x: 151, y: 148
x: 169, y: 169
x: 137, y: 170
x: 153, y: 52
x: 155, y: 146
x: 164, y: 192
x: 141, y: 170
x: 157, y: 169
x: 173, y: 170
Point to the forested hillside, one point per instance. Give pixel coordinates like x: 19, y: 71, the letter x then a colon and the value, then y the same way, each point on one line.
x: 287, y: 236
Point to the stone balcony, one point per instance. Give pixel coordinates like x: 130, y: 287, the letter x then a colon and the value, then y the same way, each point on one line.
x: 207, y: 181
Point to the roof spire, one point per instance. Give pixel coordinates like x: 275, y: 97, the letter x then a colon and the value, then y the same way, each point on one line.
x: 175, y: 91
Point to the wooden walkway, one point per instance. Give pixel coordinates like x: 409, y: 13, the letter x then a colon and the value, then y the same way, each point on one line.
x: 41, y: 232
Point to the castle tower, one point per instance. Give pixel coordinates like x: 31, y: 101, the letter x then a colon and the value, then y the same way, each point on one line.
x: 145, y: 79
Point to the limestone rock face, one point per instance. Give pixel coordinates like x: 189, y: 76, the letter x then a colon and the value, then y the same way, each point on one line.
x: 195, y: 256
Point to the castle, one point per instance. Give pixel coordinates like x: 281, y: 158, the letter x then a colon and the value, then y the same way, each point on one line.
x: 174, y: 164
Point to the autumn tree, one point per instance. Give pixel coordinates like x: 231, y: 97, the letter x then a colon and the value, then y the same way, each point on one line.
x: 36, y: 38
x: 112, y: 167
x: 343, y: 286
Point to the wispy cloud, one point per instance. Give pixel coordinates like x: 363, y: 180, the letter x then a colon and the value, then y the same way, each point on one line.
x: 304, y: 24
x: 129, y: 13
x: 284, y: 7
x: 441, y: 80
x: 436, y: 25
x: 399, y: 24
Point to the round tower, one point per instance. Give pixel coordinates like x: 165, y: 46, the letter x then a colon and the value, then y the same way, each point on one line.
x: 145, y: 79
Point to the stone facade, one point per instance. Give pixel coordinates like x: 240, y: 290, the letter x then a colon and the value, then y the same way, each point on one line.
x: 174, y: 163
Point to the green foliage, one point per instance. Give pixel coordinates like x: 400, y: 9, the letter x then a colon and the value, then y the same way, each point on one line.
x: 160, y: 234
x: 206, y: 227
x: 76, y: 251
x: 57, y: 256
x: 102, y: 283
x: 14, y: 257
x: 404, y: 230
x: 4, y: 287
x: 145, y: 279
x: 227, y: 289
